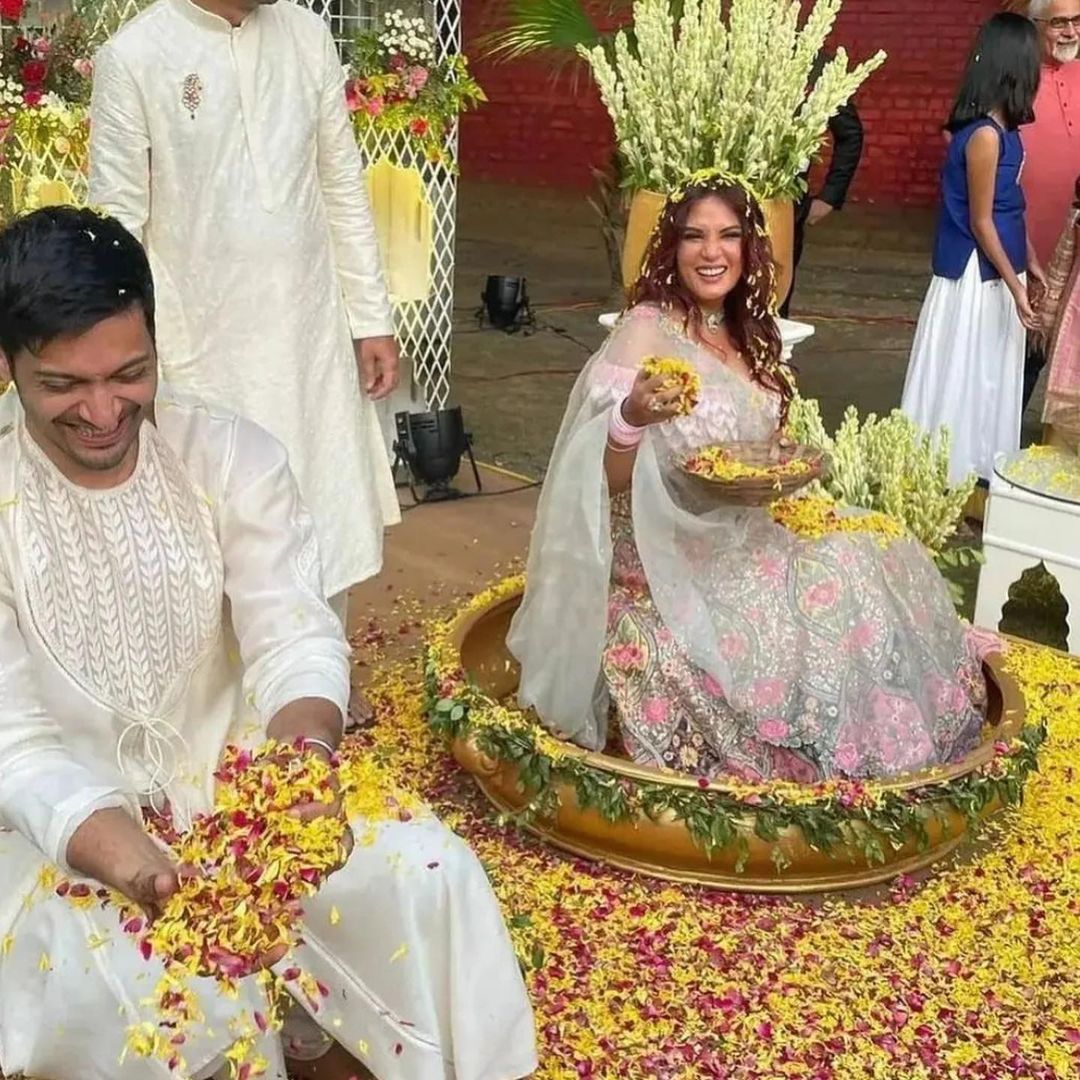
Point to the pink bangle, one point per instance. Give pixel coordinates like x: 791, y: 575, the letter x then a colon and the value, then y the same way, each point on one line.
x: 307, y: 741
x: 620, y: 431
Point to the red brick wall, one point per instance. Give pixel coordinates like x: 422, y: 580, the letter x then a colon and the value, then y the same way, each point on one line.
x: 536, y: 130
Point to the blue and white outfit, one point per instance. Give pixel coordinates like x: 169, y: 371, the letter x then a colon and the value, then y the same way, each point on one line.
x: 967, y: 362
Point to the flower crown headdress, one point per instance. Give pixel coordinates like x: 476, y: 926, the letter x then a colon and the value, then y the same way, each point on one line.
x: 717, y: 178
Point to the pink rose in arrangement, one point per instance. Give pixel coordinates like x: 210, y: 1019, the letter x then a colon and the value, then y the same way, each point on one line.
x: 773, y: 729
x: 32, y: 97
x: 417, y: 79
x: 656, y: 711
x: 84, y: 67
x: 42, y: 46
x: 374, y: 106
x: 353, y: 98
x: 33, y: 72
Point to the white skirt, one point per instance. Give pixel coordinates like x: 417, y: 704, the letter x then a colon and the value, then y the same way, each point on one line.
x: 966, y: 371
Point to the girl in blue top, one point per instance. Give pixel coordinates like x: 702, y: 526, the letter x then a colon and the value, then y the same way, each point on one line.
x: 966, y: 367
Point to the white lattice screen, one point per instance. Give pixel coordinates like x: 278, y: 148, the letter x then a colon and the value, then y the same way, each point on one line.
x: 424, y: 327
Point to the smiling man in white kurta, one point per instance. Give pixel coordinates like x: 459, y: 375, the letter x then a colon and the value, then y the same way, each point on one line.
x: 160, y: 596
x: 220, y: 138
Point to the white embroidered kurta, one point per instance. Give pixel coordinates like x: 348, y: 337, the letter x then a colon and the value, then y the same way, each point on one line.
x: 228, y: 152
x: 141, y: 628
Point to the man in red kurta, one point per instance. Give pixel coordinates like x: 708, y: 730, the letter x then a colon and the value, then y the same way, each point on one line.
x: 1052, y: 142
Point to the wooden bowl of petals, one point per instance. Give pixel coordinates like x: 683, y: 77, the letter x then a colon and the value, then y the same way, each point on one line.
x: 752, y: 473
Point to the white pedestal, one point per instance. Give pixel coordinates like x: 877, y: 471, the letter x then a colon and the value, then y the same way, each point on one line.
x: 791, y: 333
x: 1022, y: 529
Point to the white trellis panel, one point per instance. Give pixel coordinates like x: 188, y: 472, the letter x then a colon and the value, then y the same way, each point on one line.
x: 424, y: 328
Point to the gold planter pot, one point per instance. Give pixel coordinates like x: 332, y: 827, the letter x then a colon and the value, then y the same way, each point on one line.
x: 664, y: 848
x: 645, y: 210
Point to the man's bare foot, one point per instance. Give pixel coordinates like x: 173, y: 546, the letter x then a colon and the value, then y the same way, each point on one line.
x: 361, y: 711
x: 336, y: 1064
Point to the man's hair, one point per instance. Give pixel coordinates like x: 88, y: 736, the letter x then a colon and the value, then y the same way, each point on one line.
x: 1036, y: 9
x: 1002, y: 74
x: 62, y: 271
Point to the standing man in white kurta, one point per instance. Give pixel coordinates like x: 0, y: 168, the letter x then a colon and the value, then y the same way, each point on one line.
x: 220, y: 138
x: 160, y: 597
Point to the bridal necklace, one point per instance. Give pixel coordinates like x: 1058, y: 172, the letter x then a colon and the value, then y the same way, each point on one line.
x: 713, y: 320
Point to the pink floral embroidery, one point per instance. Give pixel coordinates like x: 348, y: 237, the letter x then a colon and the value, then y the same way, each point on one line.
x: 733, y: 646
x: 773, y: 729
x: 656, y: 711
x: 626, y: 657
x: 862, y: 636
x: 768, y: 693
x: 711, y: 686
x: 948, y: 697
x: 772, y: 567
x: 824, y: 594
x: 847, y: 757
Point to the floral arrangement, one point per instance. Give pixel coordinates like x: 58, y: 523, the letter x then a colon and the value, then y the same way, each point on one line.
x: 45, y: 80
x: 832, y: 815
x: 697, y: 90
x: 815, y: 516
x: 887, y: 464
x: 52, y: 59
x: 677, y: 375
x: 398, y: 87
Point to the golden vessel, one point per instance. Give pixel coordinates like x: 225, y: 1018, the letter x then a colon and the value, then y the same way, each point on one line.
x: 664, y: 848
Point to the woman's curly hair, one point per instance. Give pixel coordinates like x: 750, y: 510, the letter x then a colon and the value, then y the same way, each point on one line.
x: 748, y: 308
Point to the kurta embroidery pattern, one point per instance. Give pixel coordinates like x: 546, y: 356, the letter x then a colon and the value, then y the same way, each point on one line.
x: 126, y: 585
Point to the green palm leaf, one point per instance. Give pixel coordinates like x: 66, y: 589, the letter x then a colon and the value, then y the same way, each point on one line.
x: 541, y: 26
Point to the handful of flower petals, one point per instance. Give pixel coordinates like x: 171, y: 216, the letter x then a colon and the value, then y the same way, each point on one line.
x: 252, y: 862
x: 677, y: 375
x: 247, y: 867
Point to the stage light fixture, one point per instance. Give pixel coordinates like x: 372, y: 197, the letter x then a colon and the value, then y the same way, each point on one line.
x: 505, y: 303
x: 430, y: 446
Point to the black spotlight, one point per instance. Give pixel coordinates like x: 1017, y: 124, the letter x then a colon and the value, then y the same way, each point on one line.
x: 505, y: 304
x: 430, y: 446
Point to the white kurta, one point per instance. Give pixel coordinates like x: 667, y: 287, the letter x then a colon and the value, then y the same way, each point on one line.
x: 155, y: 621
x: 228, y: 152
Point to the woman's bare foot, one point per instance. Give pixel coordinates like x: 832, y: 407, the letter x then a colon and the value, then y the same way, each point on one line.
x: 336, y: 1064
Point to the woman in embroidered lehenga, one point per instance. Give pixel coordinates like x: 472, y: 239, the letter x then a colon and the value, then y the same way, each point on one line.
x: 1060, y: 313
x: 719, y: 642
